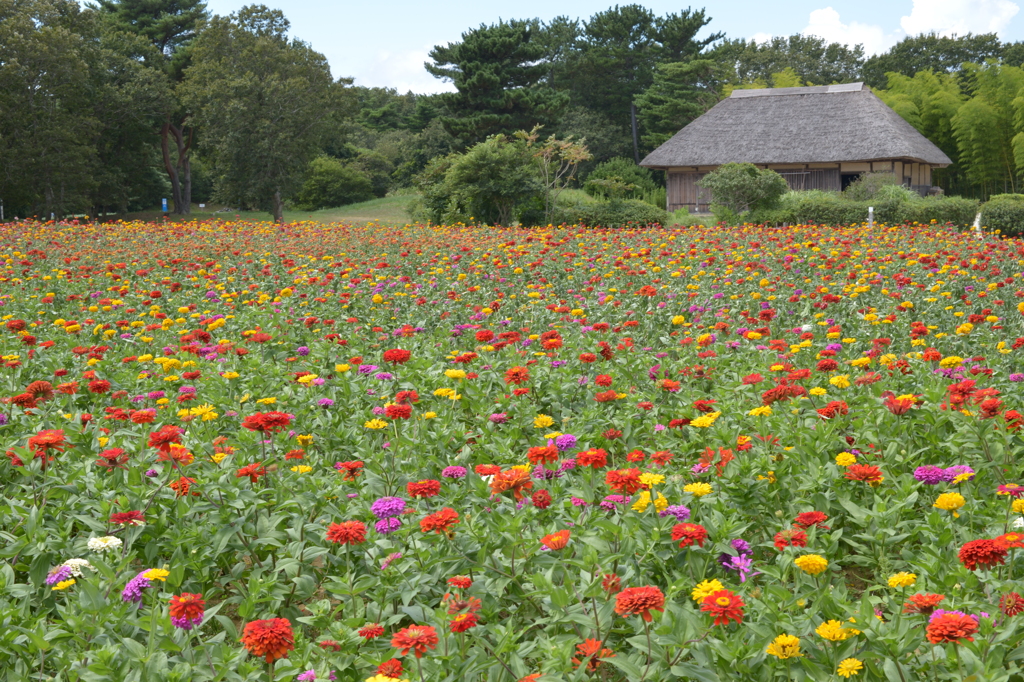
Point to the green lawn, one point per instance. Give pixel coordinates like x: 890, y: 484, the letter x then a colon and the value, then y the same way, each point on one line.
x: 387, y: 209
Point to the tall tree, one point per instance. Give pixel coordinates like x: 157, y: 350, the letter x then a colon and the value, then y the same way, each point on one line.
x: 264, y: 103
x: 814, y: 60
x: 75, y: 103
x: 986, y: 130
x: 681, y: 92
x: 930, y: 51
x: 617, y: 54
x: 498, y: 71
x: 170, y: 25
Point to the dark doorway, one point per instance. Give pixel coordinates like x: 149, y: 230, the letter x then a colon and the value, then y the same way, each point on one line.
x: 847, y: 179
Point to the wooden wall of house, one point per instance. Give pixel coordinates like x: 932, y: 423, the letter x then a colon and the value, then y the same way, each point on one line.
x: 682, y: 191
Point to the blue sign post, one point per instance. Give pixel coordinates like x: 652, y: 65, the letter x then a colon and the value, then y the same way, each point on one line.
x: 164, y: 201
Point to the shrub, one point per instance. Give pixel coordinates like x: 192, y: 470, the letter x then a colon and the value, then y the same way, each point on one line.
x: 832, y: 208
x: 624, y: 170
x: 622, y: 212
x: 868, y: 185
x: 1004, y: 212
x: 331, y: 183
x: 741, y: 187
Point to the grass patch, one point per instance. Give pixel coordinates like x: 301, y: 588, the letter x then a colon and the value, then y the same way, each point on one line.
x: 391, y: 209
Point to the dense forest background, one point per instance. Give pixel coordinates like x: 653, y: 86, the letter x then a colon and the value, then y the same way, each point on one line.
x: 107, y: 109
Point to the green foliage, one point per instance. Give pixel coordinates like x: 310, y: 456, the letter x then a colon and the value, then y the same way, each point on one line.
x: 681, y: 92
x: 332, y: 183
x: 78, y: 104
x: 807, y: 59
x: 740, y: 187
x: 490, y: 183
x: 614, y: 213
x: 264, y: 102
x: 1004, y: 212
x: 984, y: 127
x: 931, y: 52
x: 833, y: 208
x: 626, y: 172
x: 496, y: 72
x: 870, y: 185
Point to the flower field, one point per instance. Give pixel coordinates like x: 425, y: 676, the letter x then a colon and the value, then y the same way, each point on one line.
x: 244, y: 451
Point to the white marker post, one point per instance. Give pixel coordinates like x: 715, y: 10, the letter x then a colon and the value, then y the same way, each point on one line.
x: 871, y: 216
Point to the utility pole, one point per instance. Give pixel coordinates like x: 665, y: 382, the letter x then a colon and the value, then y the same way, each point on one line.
x: 636, y: 147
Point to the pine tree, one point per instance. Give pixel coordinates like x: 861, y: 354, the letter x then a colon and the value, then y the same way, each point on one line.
x: 681, y: 92
x: 498, y: 72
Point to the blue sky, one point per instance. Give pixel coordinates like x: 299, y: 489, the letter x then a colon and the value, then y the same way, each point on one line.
x: 385, y: 43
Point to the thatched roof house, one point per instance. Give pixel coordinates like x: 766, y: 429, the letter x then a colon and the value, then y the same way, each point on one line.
x: 820, y: 137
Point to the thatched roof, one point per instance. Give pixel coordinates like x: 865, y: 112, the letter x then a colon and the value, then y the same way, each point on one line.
x: 824, y: 124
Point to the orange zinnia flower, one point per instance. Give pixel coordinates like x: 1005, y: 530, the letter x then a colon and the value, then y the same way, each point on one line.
x: 591, y: 652
x: 417, y: 638
x: 639, y: 601
x: 556, y: 540
x: 271, y: 639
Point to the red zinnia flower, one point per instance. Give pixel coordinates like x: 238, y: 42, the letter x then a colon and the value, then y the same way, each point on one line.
x: 370, y: 631
x: 864, y: 472
x: 542, y: 454
x: 128, y: 518
x: 49, y: 439
x: 188, y: 607
x: 541, y: 499
x: 513, y: 479
x: 626, y: 481
x: 460, y: 581
x: 163, y: 438
x: 606, y: 396
x: 425, y: 488
x: 591, y: 651
x: 99, y: 386
x: 724, y: 606
x: 556, y: 541
x: 440, y: 521
x: 463, y: 622
x: 347, y: 533
x: 329, y: 645
x: 1011, y: 540
x: 40, y: 390
x: 611, y: 583
x: 351, y: 469
x: 792, y: 537
x: 639, y: 601
x: 811, y: 518
x: 951, y: 627
x: 182, y: 486
x: 1011, y: 604
x: 487, y: 469
x: 689, y: 534
x: 611, y: 434
x: 398, y: 411
x: 253, y: 471
x: 983, y: 553
x: 397, y: 356
x: 271, y: 639
x: 595, y: 458
x: 517, y: 375
x: 390, y: 668
x: 417, y: 638
x: 922, y: 603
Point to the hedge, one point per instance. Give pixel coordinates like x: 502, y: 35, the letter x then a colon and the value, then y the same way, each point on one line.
x: 620, y: 213
x: 1004, y: 212
x: 833, y: 209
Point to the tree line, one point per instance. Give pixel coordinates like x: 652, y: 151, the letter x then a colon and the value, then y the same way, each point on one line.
x: 109, y: 107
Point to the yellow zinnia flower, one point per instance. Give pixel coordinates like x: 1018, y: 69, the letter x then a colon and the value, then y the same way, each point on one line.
x: 157, y: 574
x: 705, y: 420
x: 697, y: 489
x: 849, y: 667
x: 542, y: 421
x: 705, y: 588
x: 376, y: 424
x: 845, y: 459
x: 812, y: 564
x: 902, y: 579
x: 833, y: 631
x: 950, y: 502
x: 785, y: 646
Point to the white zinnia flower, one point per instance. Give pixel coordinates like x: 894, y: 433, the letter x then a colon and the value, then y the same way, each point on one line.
x: 76, y: 566
x: 1018, y: 522
x: 106, y: 543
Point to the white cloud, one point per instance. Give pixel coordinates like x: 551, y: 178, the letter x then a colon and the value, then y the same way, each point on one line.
x: 402, y: 70
x: 948, y: 17
x: 761, y: 37
x: 825, y: 23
